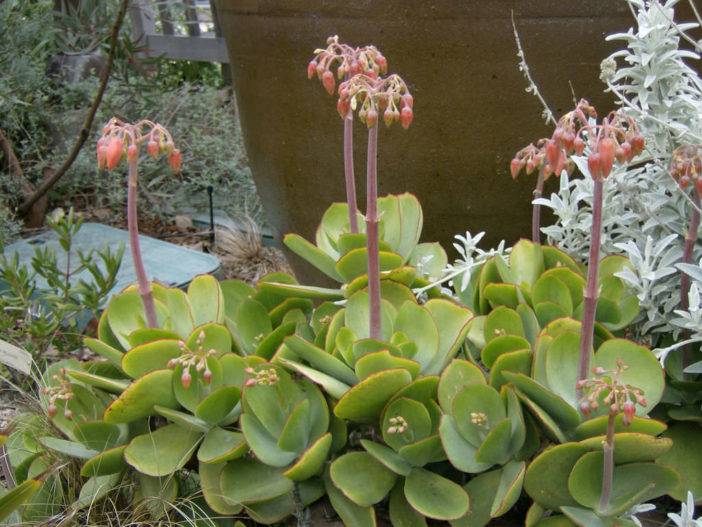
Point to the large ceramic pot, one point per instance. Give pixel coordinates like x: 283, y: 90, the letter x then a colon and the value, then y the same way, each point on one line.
x: 471, y: 111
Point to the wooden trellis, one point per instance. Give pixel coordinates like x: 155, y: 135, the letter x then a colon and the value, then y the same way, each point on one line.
x: 173, y: 28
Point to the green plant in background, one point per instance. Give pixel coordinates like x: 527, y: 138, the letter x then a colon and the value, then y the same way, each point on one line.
x: 55, y: 313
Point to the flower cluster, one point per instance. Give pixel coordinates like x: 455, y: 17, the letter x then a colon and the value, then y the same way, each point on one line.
x: 265, y: 377
x: 478, y: 418
x: 618, y: 396
x: 618, y: 137
x: 373, y: 94
x: 398, y: 425
x: 348, y: 61
x: 197, y: 358
x: 120, y: 139
x: 61, y: 391
x: 686, y: 166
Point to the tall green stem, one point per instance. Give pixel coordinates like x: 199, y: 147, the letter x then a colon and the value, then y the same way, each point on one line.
x: 145, y: 292
x: 372, y: 234
x: 591, y: 289
x: 608, y: 468
x: 349, y: 174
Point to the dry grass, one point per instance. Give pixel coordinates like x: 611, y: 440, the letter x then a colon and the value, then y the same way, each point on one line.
x: 243, y: 255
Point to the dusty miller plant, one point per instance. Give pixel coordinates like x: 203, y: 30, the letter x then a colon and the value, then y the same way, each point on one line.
x: 645, y: 213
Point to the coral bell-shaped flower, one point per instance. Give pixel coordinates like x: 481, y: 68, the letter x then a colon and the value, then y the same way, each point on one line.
x: 328, y: 82
x: 152, y: 147
x: 114, y: 152
x: 607, y: 150
x: 174, y: 160
x: 132, y: 152
x: 406, y: 116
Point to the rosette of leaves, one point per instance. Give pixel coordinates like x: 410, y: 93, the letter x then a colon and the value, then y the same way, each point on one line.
x: 567, y: 478
x: 396, y: 466
x: 482, y: 427
x: 342, y: 255
x: 285, y: 422
x: 542, y: 283
x: 257, y: 320
x: 363, y: 374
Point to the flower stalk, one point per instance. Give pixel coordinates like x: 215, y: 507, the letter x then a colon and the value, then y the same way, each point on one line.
x: 122, y: 140
x: 607, y: 386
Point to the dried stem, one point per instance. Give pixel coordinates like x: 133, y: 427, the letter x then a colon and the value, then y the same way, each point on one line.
x: 144, y: 284
x: 372, y: 234
x: 524, y: 67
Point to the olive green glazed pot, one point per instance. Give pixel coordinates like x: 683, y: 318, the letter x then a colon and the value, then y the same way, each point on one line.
x: 471, y: 110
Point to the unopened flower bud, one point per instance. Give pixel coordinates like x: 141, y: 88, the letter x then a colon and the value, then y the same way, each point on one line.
x: 186, y: 379
x: 311, y: 69
x: 515, y: 166
x: 132, y: 152
x: 371, y: 118
x: 328, y: 82
x: 606, y: 149
x: 174, y: 160
x: 406, y: 116
x: 114, y: 152
x: 585, y: 408
x: 68, y: 414
x: 51, y: 410
x: 152, y: 148
x: 207, y: 376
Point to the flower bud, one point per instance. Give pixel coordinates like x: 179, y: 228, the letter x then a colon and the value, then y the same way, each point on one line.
x: 407, y: 100
x: 68, y: 414
x: 568, y: 141
x: 114, y: 152
x: 207, y: 376
x: 388, y: 116
x: 606, y: 149
x: 152, y: 147
x: 51, y: 410
x: 637, y: 144
x: 174, y: 160
x: 406, y: 116
x: 552, y: 153
x: 371, y: 117
x: 186, y: 379
x: 132, y: 152
x: 382, y: 63
x: 311, y: 69
x: 578, y: 145
x: 515, y: 166
x: 585, y: 408
x: 328, y: 82
x: 593, y: 165
x: 250, y: 382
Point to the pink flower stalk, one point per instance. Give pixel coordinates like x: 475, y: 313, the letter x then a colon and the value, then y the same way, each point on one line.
x: 686, y: 169
x: 120, y: 140
x: 372, y: 95
x: 348, y: 61
x: 616, y: 139
x: 618, y: 397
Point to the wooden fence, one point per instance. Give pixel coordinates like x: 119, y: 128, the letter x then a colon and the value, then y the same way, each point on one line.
x: 182, y: 29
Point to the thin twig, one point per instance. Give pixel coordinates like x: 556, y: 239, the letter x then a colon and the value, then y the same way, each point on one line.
x: 87, y: 125
x: 525, y: 69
